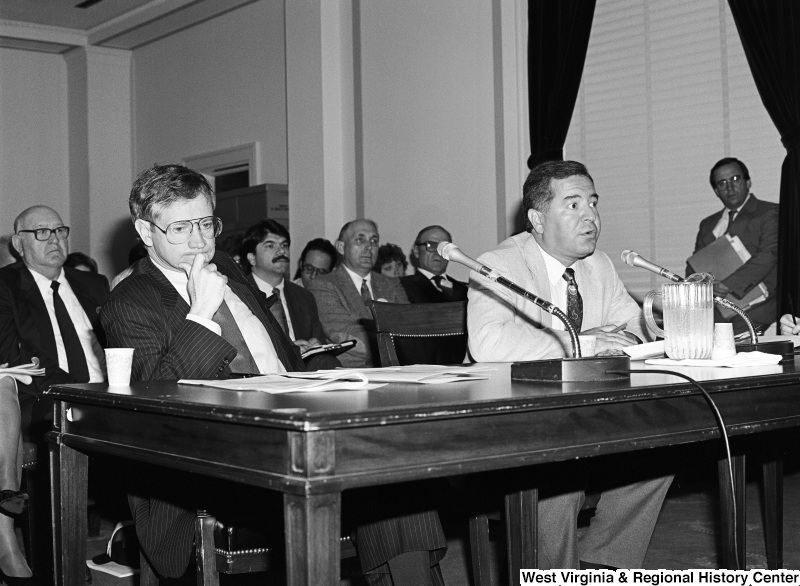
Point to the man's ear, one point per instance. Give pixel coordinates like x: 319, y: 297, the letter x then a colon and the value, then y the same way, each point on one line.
x: 144, y: 231
x: 536, y: 218
x: 251, y: 258
x: 749, y: 183
x: 415, y: 251
x: 17, y: 244
x: 340, y: 247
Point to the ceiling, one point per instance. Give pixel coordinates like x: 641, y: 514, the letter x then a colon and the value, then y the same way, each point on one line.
x: 56, y: 26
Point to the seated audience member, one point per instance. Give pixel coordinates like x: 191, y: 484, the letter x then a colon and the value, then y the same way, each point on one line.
x: 557, y: 260
x: 137, y: 252
x: 81, y: 262
x: 342, y: 295
x: 13, y: 567
x: 430, y: 284
x: 318, y: 258
x: 264, y: 254
x: 188, y: 311
x: 231, y: 245
x: 755, y: 222
x: 391, y: 261
x: 8, y: 254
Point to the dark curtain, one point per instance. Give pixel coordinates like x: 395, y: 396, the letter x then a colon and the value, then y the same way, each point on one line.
x: 558, y: 34
x: 770, y: 33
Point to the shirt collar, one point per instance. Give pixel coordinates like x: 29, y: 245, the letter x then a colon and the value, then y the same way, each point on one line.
x: 41, y: 280
x: 739, y: 209
x: 266, y: 287
x: 430, y: 275
x: 358, y: 279
x: 555, y: 270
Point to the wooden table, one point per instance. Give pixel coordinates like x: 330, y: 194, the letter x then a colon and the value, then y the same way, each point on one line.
x: 311, y: 447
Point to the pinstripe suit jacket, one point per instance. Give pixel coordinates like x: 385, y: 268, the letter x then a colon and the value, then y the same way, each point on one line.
x: 344, y: 315
x: 146, y: 313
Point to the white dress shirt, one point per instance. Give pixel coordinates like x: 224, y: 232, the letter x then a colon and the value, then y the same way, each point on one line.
x: 255, y: 335
x: 95, y: 357
x: 724, y: 219
x: 358, y: 279
x: 269, y: 290
x: 558, y: 286
x: 445, y: 282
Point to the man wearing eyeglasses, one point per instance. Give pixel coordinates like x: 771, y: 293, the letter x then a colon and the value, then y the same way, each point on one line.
x: 264, y: 254
x: 430, y: 284
x: 189, y: 312
x: 755, y: 222
x: 48, y: 310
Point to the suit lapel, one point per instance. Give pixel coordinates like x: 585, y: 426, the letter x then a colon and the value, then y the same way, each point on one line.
x: 353, y: 296
x: 32, y: 298
x: 534, y: 260
x: 85, y: 298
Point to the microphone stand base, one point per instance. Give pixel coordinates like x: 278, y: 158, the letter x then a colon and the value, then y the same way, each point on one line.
x: 592, y: 368
x: 783, y: 347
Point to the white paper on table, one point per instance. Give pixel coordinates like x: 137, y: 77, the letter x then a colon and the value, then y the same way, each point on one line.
x: 292, y: 382
x: 644, y: 351
x: 742, y: 359
x: 425, y: 374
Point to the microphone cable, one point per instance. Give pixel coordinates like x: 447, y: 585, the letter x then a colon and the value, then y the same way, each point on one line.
x: 723, y: 434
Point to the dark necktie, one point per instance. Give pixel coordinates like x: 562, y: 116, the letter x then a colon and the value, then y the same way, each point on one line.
x: 731, y: 216
x: 365, y: 294
x: 76, y: 359
x: 243, y: 361
x: 437, y: 281
x: 574, y: 300
x: 277, y: 310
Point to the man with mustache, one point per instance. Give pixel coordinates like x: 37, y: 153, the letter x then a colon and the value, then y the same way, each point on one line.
x: 264, y: 253
x: 556, y: 260
x: 342, y: 294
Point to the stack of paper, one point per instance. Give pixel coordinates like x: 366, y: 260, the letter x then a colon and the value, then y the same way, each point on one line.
x: 24, y: 372
x: 348, y: 379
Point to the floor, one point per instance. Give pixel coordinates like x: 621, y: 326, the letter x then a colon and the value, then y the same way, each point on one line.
x: 685, y: 536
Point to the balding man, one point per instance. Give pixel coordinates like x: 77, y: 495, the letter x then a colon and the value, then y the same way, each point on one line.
x: 342, y: 294
x: 47, y: 310
x: 430, y: 284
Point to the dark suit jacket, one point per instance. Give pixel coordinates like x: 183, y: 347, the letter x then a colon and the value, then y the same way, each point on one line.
x: 146, y: 313
x: 344, y: 315
x: 420, y: 290
x: 302, y: 311
x: 757, y: 227
x: 25, y: 328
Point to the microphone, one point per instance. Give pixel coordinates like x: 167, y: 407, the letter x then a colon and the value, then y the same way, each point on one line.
x: 633, y: 259
x: 451, y: 252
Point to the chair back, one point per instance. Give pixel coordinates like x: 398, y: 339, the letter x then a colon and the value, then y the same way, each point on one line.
x: 420, y: 333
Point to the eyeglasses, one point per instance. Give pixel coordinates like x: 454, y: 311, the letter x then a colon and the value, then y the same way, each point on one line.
x: 180, y: 232
x: 723, y: 184
x: 310, y: 270
x: 44, y: 234
x: 430, y: 245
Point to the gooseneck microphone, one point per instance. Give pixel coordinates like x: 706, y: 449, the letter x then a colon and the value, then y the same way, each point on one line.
x: 633, y: 259
x: 451, y: 252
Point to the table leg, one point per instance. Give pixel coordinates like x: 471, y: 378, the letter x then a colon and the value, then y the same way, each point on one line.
x: 313, y: 525
x: 521, y: 521
x: 773, y: 512
x: 69, y: 473
x: 733, y: 545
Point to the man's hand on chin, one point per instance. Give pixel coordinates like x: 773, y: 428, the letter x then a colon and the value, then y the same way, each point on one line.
x: 206, y: 286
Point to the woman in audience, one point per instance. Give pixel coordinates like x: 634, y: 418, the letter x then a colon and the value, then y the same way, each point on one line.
x: 391, y: 261
x: 14, y: 570
x: 82, y: 262
x: 318, y: 258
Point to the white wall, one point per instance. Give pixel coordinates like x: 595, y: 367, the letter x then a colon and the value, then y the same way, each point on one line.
x: 666, y: 93
x: 427, y: 101
x: 216, y: 85
x: 33, y: 134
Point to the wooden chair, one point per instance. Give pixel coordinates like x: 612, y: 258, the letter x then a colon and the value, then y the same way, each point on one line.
x: 221, y: 549
x: 420, y: 333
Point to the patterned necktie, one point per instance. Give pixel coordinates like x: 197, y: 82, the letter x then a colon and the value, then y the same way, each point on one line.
x: 365, y: 294
x: 574, y: 300
x: 243, y: 361
x: 76, y: 359
x: 277, y: 310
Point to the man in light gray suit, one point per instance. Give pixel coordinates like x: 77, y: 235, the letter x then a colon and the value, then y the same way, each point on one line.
x: 556, y: 259
x: 342, y: 294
